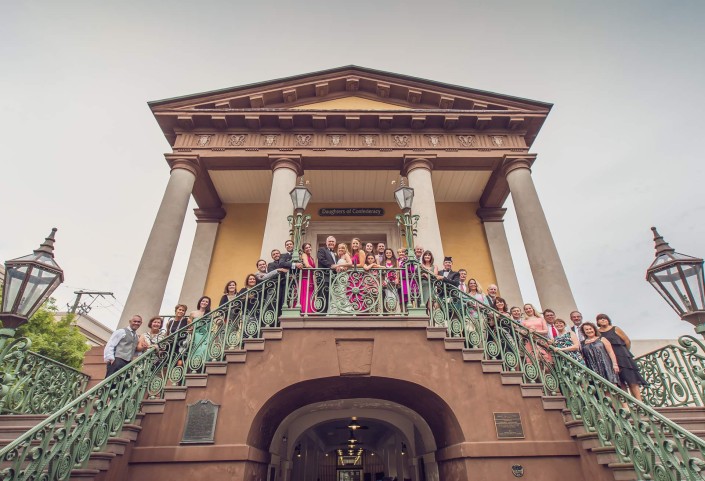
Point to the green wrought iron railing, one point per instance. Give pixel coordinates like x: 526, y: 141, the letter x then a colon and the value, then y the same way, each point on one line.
x: 675, y: 374
x: 658, y: 448
x: 34, y: 384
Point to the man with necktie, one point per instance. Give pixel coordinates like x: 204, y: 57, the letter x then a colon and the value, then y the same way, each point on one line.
x: 327, y: 259
x: 380, y: 253
x: 121, y: 346
x: 463, y: 274
x: 577, y: 320
x: 447, y: 274
x: 550, y: 318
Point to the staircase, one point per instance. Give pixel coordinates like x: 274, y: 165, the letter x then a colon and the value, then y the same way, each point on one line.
x: 105, y: 420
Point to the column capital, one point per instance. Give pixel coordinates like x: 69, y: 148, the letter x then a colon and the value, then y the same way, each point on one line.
x: 414, y: 161
x: 187, y: 162
x: 290, y: 161
x: 513, y: 162
x: 491, y: 214
x: 214, y: 214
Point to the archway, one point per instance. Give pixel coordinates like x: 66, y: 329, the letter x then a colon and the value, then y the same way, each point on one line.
x: 407, y: 424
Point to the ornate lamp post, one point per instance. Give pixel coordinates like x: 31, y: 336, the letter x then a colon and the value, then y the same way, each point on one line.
x: 29, y: 281
x: 679, y: 280
x: 406, y: 221
x: 300, y: 196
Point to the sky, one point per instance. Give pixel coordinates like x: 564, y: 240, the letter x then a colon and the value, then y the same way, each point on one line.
x: 618, y: 154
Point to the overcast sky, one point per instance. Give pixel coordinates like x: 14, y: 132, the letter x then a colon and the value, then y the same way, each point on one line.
x: 619, y: 152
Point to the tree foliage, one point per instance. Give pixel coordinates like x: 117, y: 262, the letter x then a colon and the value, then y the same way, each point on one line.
x: 59, y: 340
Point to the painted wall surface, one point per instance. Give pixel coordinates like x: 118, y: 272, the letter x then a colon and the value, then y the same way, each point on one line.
x: 236, y: 248
x: 464, y: 240
x: 240, y: 234
x: 351, y: 103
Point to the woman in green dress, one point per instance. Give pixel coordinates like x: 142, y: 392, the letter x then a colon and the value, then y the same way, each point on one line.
x: 567, y: 341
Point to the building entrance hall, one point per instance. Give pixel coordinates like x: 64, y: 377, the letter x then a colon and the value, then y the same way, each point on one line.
x: 359, y: 439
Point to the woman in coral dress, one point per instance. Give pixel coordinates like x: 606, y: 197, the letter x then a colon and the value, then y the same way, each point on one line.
x: 307, y: 287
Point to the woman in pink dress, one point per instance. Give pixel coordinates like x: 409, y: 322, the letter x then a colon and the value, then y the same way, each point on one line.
x: 307, y: 287
x: 356, y: 281
x: 535, y: 324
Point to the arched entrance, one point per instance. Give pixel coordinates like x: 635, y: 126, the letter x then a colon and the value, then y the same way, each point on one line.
x: 305, y: 428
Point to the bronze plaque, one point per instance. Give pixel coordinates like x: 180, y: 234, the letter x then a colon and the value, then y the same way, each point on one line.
x: 200, y: 422
x: 508, y: 426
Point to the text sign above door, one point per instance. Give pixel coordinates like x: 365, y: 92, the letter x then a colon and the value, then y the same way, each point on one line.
x: 351, y: 212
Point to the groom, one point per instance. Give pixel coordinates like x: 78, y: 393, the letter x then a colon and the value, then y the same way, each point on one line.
x: 327, y: 258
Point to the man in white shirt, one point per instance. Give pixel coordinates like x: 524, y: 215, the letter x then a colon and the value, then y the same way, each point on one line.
x: 121, y: 346
x: 550, y: 318
x: 463, y: 280
x: 491, y: 295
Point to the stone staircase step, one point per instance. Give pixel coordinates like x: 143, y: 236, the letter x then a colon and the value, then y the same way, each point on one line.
x: 588, y: 440
x: 473, y: 354
x: 492, y: 366
x: 238, y: 355
x: 272, y: 333
x: 623, y: 471
x: 117, y: 445
x: 216, y: 367
x: 153, y: 406
x: 531, y: 390
x: 575, y: 427
x: 454, y: 343
x: 172, y: 393
x: 511, y: 377
x: 606, y: 454
x: 32, y: 420
x: 83, y: 474
x: 130, y: 431
x: 12, y: 432
x: 436, y: 332
x: 553, y: 403
x: 100, y: 460
x: 196, y: 380
x: 688, y: 412
x: 253, y: 344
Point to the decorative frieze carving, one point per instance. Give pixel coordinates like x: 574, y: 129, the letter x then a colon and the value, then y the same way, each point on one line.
x: 270, y: 140
x: 237, y: 140
x: 335, y: 140
x: 466, y: 140
x: 382, y: 140
x: 369, y: 140
x: 434, y: 140
x: 401, y: 140
x: 303, y: 140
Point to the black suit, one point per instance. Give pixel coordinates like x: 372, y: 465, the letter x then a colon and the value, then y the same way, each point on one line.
x: 280, y: 264
x: 490, y: 301
x: 452, y: 277
x: 326, y: 260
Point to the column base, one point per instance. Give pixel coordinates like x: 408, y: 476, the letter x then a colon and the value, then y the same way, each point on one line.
x: 289, y: 312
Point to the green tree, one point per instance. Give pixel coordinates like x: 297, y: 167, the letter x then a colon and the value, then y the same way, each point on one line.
x: 59, y: 340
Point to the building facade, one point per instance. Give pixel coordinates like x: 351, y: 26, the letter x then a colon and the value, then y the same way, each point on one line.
x: 351, y: 134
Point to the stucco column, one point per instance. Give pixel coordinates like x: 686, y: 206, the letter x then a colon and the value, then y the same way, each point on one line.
x: 418, y: 172
x: 493, y: 221
x: 546, y: 267
x: 207, y: 221
x: 147, y: 291
x: 285, y: 170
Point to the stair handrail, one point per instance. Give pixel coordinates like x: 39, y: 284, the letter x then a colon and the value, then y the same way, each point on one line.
x: 35, y: 384
x: 65, y: 440
x: 675, y: 373
x: 658, y: 447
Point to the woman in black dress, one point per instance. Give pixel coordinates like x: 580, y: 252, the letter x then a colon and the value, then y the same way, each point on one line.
x: 629, y: 376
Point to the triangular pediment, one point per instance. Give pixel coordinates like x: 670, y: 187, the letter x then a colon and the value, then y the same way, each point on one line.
x: 351, y: 88
x: 352, y: 102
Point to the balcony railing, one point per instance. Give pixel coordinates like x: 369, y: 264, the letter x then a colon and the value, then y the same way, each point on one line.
x: 34, y: 384
x: 675, y: 374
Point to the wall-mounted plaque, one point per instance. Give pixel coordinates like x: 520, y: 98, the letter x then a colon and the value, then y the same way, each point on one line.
x: 351, y: 212
x: 508, y: 426
x: 200, y: 422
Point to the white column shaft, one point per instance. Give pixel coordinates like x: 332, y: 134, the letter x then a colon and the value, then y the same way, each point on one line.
x: 503, y: 264
x: 546, y: 266
x: 276, y: 228
x: 147, y: 291
x: 198, y: 263
x: 429, y: 234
